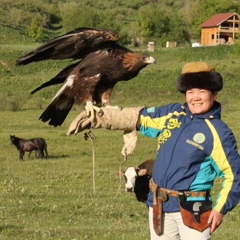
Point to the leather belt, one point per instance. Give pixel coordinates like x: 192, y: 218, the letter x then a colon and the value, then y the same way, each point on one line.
x: 174, y: 193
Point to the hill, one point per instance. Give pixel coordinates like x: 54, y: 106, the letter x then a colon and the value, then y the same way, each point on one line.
x: 136, y: 21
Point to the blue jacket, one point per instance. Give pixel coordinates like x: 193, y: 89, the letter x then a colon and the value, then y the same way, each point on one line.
x: 192, y: 150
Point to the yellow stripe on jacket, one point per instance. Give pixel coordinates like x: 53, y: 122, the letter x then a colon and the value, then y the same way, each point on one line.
x: 221, y: 160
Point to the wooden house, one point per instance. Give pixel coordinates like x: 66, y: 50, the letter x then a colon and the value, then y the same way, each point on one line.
x: 220, y: 29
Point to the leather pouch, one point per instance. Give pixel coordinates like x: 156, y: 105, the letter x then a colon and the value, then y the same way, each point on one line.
x: 195, y: 214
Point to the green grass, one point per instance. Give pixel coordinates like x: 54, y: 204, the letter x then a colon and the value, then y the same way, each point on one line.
x: 54, y: 199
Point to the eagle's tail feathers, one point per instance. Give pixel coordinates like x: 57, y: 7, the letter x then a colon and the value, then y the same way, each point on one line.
x: 55, y: 114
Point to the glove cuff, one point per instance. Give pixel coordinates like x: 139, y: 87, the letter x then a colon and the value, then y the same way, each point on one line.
x: 120, y: 119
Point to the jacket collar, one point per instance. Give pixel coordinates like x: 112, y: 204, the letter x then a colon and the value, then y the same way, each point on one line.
x: 214, y: 113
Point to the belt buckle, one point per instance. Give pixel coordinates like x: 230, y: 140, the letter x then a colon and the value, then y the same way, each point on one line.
x: 163, y: 196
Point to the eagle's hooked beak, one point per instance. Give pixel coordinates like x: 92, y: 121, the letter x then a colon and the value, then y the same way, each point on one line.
x: 150, y: 60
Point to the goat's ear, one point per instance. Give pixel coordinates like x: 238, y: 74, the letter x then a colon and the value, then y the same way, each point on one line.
x: 142, y: 172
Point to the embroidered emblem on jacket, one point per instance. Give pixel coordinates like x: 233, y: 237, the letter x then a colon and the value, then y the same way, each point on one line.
x: 151, y: 110
x: 163, y: 137
x: 173, y: 123
x: 199, y: 138
x: 166, y: 134
x: 195, y: 144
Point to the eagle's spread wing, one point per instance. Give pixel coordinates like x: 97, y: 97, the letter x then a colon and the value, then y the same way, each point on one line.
x: 73, y: 45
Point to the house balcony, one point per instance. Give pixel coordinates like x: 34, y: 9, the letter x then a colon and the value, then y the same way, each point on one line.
x: 229, y: 30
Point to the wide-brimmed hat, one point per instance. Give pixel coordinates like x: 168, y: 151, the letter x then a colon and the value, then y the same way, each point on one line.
x: 199, y: 75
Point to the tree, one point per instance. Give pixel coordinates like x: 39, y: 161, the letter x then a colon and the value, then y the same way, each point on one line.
x: 189, y: 13
x: 75, y: 15
x: 20, y: 14
x: 35, y: 31
x: 145, y: 24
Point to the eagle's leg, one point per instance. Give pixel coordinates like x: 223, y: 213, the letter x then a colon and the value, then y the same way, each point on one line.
x: 91, y: 111
x: 106, y: 100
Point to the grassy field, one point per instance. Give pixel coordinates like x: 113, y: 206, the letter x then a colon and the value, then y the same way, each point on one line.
x: 54, y: 198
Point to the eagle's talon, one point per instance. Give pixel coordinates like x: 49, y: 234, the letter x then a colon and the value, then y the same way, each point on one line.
x: 93, y: 124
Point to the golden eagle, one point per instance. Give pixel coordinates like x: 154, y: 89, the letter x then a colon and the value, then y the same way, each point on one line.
x: 103, y: 63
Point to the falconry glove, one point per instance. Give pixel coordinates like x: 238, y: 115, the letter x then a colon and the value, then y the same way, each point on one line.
x: 113, y: 119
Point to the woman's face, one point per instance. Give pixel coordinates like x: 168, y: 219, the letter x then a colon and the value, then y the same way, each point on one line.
x: 200, y: 101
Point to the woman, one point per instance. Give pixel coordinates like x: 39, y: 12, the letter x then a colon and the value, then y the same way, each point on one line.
x: 194, y: 147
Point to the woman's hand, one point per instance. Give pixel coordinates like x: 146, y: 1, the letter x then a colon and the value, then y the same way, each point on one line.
x: 215, y: 219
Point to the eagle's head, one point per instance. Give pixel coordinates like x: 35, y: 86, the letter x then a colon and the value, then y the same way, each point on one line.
x: 149, y: 60
x: 135, y: 62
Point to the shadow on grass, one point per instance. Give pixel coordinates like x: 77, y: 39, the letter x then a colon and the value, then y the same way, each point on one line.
x: 55, y: 157
x: 52, y: 157
x: 9, y: 227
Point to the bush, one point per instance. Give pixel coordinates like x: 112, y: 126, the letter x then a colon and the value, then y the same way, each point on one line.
x: 236, y: 48
x: 3, y: 101
x: 11, y: 103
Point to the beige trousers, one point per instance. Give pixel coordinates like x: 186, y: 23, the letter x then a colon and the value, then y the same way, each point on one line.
x: 174, y: 229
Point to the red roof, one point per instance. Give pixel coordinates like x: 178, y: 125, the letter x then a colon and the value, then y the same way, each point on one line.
x: 217, y: 19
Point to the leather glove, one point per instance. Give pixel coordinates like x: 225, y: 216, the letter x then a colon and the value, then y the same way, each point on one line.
x: 113, y: 119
